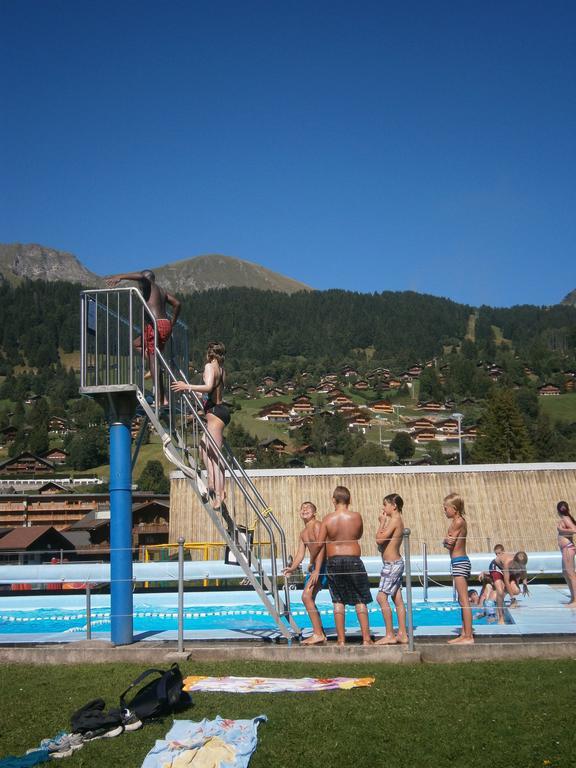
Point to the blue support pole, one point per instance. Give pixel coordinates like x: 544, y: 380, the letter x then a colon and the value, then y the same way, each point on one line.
x: 121, y: 533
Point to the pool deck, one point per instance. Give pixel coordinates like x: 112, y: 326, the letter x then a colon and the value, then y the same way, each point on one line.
x: 543, y: 627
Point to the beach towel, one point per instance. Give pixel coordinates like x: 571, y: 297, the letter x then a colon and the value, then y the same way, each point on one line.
x: 35, y: 757
x: 273, y: 684
x: 218, y: 743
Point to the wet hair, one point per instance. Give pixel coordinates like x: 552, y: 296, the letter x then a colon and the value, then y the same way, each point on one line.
x: 499, y: 546
x: 216, y: 351
x: 341, y: 495
x: 148, y: 274
x: 456, y: 501
x: 393, y: 498
x: 564, y: 510
x: 521, y: 557
x: 308, y: 504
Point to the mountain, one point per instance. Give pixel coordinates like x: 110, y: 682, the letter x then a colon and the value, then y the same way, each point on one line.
x: 36, y: 262
x: 214, y: 271
x: 201, y: 273
x: 570, y: 298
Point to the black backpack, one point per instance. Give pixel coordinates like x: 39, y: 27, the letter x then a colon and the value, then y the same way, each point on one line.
x: 160, y: 696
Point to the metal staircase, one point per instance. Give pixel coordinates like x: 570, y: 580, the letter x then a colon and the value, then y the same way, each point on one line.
x: 111, y: 368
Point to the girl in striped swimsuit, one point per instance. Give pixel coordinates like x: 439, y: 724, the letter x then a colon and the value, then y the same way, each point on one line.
x: 455, y: 542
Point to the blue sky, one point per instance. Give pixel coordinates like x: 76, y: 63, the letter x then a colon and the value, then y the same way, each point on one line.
x: 419, y: 145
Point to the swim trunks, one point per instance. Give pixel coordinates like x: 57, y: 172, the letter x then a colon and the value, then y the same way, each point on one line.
x: 496, y: 572
x: 164, y: 330
x: 391, y: 577
x: 348, y: 580
x: 322, y: 579
x: 461, y: 566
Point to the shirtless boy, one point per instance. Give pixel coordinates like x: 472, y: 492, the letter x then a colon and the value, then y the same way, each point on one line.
x: 340, y: 531
x: 156, y: 299
x: 309, y: 541
x: 455, y: 542
x: 389, y: 539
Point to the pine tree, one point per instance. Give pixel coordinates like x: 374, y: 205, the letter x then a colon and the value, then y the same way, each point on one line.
x: 504, y: 438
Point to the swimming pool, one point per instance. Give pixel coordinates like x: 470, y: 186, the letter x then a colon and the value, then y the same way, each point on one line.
x: 240, y: 612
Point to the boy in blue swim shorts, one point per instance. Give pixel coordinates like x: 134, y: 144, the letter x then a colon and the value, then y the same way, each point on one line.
x: 309, y: 541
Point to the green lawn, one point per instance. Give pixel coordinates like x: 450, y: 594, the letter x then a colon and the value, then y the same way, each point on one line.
x: 496, y: 715
x: 559, y: 407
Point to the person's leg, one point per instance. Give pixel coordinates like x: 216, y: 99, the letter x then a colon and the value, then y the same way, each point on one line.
x: 500, y: 593
x: 389, y: 638
x: 309, y: 599
x: 339, y: 620
x: 466, y: 636
x: 362, y: 613
x: 207, y: 464
x: 569, y: 573
x: 216, y: 429
x: 402, y: 634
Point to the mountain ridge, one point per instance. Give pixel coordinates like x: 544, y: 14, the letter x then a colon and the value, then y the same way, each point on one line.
x: 32, y: 261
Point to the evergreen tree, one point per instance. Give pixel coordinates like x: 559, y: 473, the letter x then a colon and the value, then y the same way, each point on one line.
x: 153, y: 478
x: 503, y: 434
x: 370, y: 455
x: 402, y: 445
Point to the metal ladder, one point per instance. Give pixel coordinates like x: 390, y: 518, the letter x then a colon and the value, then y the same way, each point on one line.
x: 111, y: 319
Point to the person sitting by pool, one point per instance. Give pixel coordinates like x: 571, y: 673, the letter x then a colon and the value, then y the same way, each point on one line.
x: 566, y: 529
x: 309, y: 541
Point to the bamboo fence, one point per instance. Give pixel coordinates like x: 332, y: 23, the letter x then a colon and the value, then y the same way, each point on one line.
x: 513, y: 505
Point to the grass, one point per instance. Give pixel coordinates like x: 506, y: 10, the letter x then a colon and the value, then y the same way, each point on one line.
x: 496, y: 714
x: 559, y: 407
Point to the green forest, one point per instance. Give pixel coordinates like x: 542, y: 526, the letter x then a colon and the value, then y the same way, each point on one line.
x: 488, y: 363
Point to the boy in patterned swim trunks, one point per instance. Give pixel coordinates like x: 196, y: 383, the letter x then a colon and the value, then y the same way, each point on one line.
x: 347, y: 578
x: 389, y: 539
x: 455, y: 542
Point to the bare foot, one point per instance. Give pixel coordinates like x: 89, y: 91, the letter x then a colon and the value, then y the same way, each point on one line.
x: 571, y: 604
x: 402, y: 639
x: 501, y: 621
x: 147, y: 375
x: 341, y: 642
x: 386, y: 640
x: 368, y: 642
x: 460, y: 640
x: 315, y: 640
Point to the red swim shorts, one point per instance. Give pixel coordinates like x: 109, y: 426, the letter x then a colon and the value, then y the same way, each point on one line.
x: 164, y: 331
x: 496, y: 576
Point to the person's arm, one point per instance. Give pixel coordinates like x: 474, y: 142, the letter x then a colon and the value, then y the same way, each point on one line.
x: 315, y: 574
x: 176, y: 306
x: 113, y: 280
x: 566, y: 527
x: 208, y: 386
x: 452, y: 535
x: 297, y: 559
x: 384, y: 532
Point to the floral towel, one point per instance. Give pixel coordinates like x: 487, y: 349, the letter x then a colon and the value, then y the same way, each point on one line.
x: 215, y: 743
x: 273, y: 684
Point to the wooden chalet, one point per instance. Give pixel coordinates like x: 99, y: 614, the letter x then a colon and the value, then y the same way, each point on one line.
x: 276, y: 412
x: 394, y: 383
x: 34, y: 545
x: 273, y: 444
x: 8, y: 435
x: 421, y: 423
x: 268, y: 381
x: 239, y: 390
x: 58, y: 426
x: 381, y: 407
x: 361, y: 385
x: 358, y: 420
x: 544, y: 391
x: 340, y: 400
x: 431, y: 405
x: 448, y: 426
x: 26, y: 463
x: 302, y: 405
x: 274, y: 392
x: 56, y: 456
x: 424, y: 435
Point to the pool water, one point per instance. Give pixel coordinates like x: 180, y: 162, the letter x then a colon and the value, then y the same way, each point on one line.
x: 247, y: 616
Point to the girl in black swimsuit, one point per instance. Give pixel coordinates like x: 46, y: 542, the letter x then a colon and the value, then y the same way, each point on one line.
x: 217, y: 416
